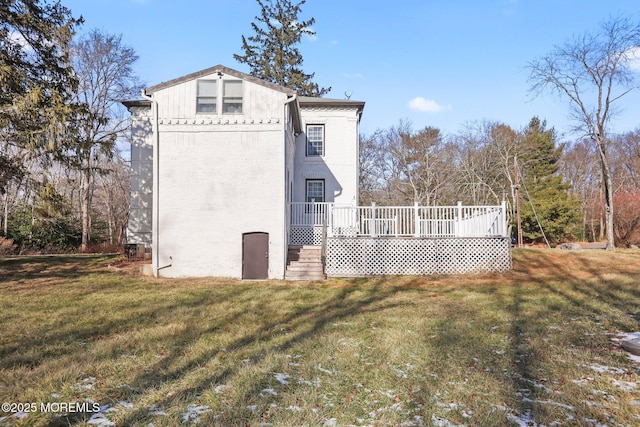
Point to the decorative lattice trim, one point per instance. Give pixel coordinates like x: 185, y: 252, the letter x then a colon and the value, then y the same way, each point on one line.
x: 301, y: 236
x: 362, y: 256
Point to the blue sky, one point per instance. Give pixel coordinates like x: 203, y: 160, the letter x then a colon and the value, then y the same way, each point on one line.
x: 441, y: 63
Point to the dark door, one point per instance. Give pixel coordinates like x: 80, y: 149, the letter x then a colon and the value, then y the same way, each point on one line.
x: 255, y: 256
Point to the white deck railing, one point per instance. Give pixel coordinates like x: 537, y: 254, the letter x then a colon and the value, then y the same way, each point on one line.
x: 402, y: 221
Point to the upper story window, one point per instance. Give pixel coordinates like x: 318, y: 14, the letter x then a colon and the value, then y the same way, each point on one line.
x: 232, y: 97
x: 207, y: 96
x: 315, y: 140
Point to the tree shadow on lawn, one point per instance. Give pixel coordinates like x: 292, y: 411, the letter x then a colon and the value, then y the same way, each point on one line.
x: 579, y: 290
x: 304, y: 323
x: 23, y: 269
x: 591, y: 283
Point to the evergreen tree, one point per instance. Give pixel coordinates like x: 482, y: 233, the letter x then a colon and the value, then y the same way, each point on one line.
x: 545, y: 194
x: 36, y: 80
x: 271, y: 52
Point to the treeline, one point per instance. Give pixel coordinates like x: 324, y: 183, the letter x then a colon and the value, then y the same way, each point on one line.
x: 64, y: 181
x: 559, y: 184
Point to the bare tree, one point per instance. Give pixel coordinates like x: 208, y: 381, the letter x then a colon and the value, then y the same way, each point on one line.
x: 104, y: 66
x: 593, y: 72
x: 112, y: 194
x: 486, y: 153
x: 579, y: 166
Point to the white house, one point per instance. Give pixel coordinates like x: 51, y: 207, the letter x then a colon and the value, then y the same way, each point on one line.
x: 218, y: 159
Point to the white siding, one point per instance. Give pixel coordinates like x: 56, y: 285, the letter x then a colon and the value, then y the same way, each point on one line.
x: 339, y: 165
x: 215, y: 186
x: 221, y: 175
x: 140, y: 205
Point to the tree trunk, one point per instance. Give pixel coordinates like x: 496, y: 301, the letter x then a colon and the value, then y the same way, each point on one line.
x: 5, y: 215
x: 85, y: 200
x: 607, y: 182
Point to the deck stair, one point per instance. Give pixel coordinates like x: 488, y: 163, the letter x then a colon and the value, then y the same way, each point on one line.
x: 304, y: 263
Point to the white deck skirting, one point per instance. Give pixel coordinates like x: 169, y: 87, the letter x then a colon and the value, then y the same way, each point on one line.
x: 365, y: 256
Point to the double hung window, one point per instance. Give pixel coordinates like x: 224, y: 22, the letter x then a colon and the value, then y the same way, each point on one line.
x: 232, y: 97
x: 315, y: 190
x: 207, y: 96
x: 315, y: 140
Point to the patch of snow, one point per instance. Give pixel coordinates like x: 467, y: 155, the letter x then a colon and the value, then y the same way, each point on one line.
x: 282, y: 378
x: 108, y: 409
x: 330, y: 422
x: 85, y: 384
x: 441, y: 422
x: 594, y: 423
x: 634, y: 357
x: 389, y: 393
x: 316, y: 382
x: 294, y: 408
x: 125, y: 404
x: 252, y: 408
x: 625, y: 385
x: 20, y: 415
x: 321, y: 369
x: 550, y: 402
x: 607, y: 369
x: 583, y: 381
x: 523, y: 420
x: 194, y: 411
x: 270, y: 391
x: 157, y: 411
x: 98, y: 419
x: 617, y: 340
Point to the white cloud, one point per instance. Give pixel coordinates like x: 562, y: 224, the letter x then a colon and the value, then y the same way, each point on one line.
x: 427, y: 105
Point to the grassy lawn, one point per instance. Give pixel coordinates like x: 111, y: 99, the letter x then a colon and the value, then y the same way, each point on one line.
x: 536, y: 346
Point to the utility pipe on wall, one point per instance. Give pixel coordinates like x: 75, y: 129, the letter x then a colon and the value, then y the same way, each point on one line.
x: 155, y: 211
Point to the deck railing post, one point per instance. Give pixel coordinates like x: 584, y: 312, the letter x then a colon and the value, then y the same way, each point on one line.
x: 503, y: 219
x: 458, y: 223
x: 331, y: 220
x: 372, y: 221
x: 416, y: 219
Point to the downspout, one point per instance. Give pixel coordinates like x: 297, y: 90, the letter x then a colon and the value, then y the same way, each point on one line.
x: 155, y: 211
x: 287, y: 215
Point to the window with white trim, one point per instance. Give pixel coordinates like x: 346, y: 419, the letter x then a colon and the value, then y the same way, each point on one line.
x: 315, y: 190
x: 207, y: 96
x: 232, y: 97
x: 315, y: 140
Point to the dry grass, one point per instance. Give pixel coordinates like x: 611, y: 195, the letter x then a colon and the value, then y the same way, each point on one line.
x: 534, y: 345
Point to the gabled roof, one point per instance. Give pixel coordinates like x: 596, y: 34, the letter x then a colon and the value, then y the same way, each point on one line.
x: 301, y: 101
x: 221, y: 70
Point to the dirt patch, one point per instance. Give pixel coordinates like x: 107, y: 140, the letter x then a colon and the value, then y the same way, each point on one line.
x: 127, y: 266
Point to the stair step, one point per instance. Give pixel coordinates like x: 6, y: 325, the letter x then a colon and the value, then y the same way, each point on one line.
x: 304, y: 263
x: 306, y: 276
x: 303, y: 268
